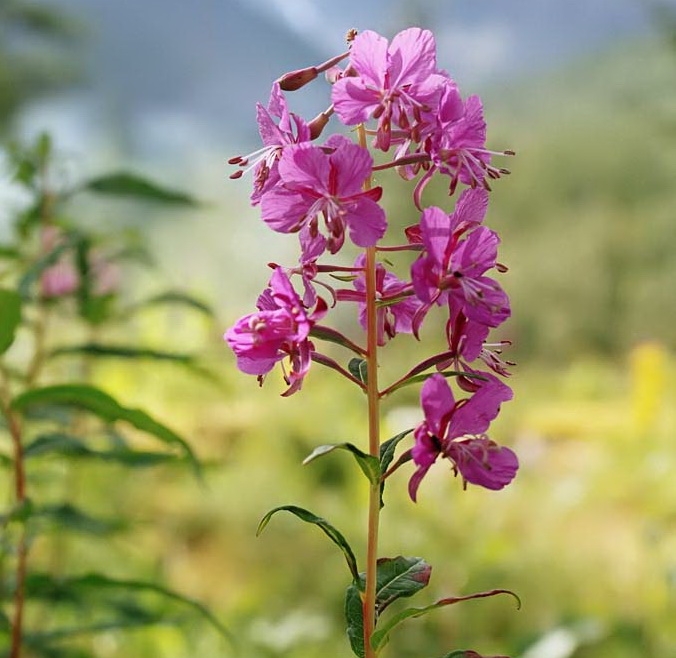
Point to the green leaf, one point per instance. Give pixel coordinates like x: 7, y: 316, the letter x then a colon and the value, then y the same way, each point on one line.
x: 64, y: 444
x: 332, y: 336
x: 98, y: 350
x: 387, y: 451
x: 368, y: 464
x: 354, y: 616
x: 400, y: 577
x: 88, y: 588
x: 122, y: 352
x: 68, y: 517
x: 21, y: 512
x: 358, y: 369
x: 396, y: 578
x: 10, y: 318
x: 92, y: 399
x: 427, y: 375
x: 174, y: 297
x: 380, y: 637
x: 332, y: 533
x: 130, y: 185
x: 9, y: 253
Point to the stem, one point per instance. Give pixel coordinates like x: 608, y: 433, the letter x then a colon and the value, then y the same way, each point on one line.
x: 373, y: 398
x: 20, y: 496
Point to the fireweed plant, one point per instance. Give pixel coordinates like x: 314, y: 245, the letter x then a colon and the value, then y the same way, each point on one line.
x: 396, y: 100
x: 63, y: 307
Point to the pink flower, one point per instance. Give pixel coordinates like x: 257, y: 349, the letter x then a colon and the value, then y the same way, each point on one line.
x: 452, y: 267
x: 325, y: 183
x: 395, y: 84
x: 396, y: 306
x: 458, y: 145
x: 61, y: 278
x: 456, y: 430
x: 289, y: 129
x: 280, y: 329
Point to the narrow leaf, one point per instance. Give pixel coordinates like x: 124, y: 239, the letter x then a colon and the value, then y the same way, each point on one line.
x: 368, y: 464
x: 427, y: 375
x: 68, y: 517
x: 64, y: 444
x: 354, y: 617
x: 123, y: 352
x: 387, y: 452
x: 126, y: 184
x: 380, y: 637
x: 79, y: 589
x: 10, y: 318
x: 332, y: 336
x: 21, y: 512
x: 332, y: 533
x: 174, y: 297
x: 92, y: 399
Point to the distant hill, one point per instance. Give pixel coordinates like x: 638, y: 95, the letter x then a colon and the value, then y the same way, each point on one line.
x: 162, y: 68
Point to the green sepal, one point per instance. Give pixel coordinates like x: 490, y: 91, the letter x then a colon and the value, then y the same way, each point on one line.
x: 10, y: 318
x: 358, y: 369
x: 381, y: 636
x: 330, y: 531
x: 387, y: 450
x: 125, y: 184
x: 102, y: 405
x: 369, y: 465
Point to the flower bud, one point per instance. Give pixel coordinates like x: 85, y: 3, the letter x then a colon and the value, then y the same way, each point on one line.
x: 317, y: 125
x: 296, y: 79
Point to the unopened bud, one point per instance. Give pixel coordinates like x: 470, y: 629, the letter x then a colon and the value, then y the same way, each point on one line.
x: 296, y: 79
x: 317, y: 125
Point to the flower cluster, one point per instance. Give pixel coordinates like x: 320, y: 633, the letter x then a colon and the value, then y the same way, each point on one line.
x: 395, y: 94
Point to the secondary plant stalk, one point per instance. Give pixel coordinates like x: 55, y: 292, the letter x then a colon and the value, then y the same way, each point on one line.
x: 22, y: 549
x: 373, y: 398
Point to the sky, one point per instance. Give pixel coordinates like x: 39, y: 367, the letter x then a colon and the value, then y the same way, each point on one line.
x: 175, y: 78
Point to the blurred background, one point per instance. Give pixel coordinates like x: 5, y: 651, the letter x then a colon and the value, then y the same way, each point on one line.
x: 585, y: 92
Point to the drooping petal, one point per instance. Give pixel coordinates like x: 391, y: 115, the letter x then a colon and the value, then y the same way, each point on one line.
x: 284, y: 210
x: 435, y: 228
x: 475, y: 415
x: 481, y: 461
x: 366, y: 221
x: 438, y: 403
